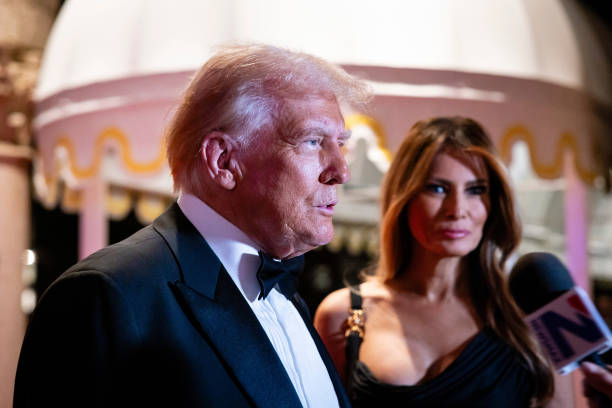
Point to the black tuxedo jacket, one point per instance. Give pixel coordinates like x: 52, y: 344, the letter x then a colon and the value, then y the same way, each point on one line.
x: 153, y: 321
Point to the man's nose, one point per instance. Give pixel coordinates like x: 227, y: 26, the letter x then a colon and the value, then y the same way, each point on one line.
x: 336, y: 171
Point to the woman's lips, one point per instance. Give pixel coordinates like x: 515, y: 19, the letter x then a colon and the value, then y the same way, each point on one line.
x: 454, y: 233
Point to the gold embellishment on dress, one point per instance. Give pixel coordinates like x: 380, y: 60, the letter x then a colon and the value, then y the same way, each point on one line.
x: 355, y: 322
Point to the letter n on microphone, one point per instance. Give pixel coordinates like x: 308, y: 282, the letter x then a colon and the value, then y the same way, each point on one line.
x: 569, y: 329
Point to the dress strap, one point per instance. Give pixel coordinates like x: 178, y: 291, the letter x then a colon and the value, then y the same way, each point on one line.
x: 355, y: 322
x: 356, y: 299
x: 355, y: 329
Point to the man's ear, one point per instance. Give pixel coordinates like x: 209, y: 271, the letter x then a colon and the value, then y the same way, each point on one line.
x: 220, y: 159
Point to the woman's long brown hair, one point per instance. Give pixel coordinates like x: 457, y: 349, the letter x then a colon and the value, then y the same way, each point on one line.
x: 486, y: 282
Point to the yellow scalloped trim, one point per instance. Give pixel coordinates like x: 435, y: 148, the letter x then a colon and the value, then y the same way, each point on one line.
x: 545, y: 170
x: 149, y: 206
x: 110, y: 133
x: 71, y: 200
x: 118, y: 202
x: 356, y: 119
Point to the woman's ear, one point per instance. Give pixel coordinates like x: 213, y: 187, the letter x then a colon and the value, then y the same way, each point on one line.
x: 219, y: 156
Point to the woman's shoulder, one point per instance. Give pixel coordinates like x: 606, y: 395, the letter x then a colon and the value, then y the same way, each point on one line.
x: 335, y: 308
x: 329, y: 320
x: 373, y: 288
x: 336, y: 304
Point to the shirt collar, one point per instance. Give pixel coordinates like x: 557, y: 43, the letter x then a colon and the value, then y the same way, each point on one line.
x: 236, y: 251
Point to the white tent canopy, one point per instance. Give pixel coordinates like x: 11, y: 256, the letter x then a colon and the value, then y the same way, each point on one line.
x: 99, y: 41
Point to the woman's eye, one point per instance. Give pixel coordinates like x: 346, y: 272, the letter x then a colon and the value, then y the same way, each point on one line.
x: 435, y: 188
x: 477, y: 190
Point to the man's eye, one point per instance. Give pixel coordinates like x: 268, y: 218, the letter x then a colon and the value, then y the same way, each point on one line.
x: 435, y: 188
x: 313, y: 142
x: 477, y: 190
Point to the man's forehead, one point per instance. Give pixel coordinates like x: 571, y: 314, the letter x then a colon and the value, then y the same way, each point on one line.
x: 315, y: 115
x: 312, y: 104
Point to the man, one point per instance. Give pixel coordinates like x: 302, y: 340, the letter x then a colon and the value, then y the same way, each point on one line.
x: 185, y: 312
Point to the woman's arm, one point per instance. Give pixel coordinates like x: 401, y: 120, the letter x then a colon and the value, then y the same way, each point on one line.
x: 329, y: 321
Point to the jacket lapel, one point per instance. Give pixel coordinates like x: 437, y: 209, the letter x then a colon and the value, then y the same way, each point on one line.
x: 221, y: 315
x: 302, y: 308
x: 229, y: 325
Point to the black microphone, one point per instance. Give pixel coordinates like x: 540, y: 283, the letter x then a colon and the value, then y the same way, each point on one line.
x: 565, y: 321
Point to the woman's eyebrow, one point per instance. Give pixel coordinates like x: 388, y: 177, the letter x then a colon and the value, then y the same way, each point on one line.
x: 439, y: 180
x: 478, y: 181
x: 449, y: 182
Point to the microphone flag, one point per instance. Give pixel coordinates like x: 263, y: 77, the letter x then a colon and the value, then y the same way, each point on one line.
x: 570, y: 328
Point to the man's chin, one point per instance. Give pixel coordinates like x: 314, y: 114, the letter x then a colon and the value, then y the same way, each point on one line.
x: 324, y: 239
x: 316, y: 240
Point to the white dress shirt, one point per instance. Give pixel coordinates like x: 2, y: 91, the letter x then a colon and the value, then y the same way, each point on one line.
x: 277, y: 315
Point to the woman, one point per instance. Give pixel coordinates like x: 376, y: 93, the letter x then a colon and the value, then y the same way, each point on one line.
x: 440, y: 326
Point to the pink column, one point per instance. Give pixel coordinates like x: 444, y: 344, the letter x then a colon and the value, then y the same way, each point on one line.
x: 576, y: 225
x: 14, y: 239
x: 93, y: 225
x: 576, y: 245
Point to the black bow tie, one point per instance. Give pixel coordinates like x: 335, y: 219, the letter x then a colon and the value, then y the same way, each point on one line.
x: 285, y: 273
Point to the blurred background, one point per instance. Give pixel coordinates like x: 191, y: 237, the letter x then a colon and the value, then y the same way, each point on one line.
x: 86, y: 88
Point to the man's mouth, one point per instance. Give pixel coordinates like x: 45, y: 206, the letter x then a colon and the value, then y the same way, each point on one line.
x: 327, y: 208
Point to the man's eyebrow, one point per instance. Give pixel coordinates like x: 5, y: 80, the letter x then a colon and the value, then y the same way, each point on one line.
x: 321, y: 131
x: 346, y: 134
x: 310, y: 130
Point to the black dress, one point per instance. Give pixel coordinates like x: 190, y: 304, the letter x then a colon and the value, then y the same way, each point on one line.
x: 487, y: 373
